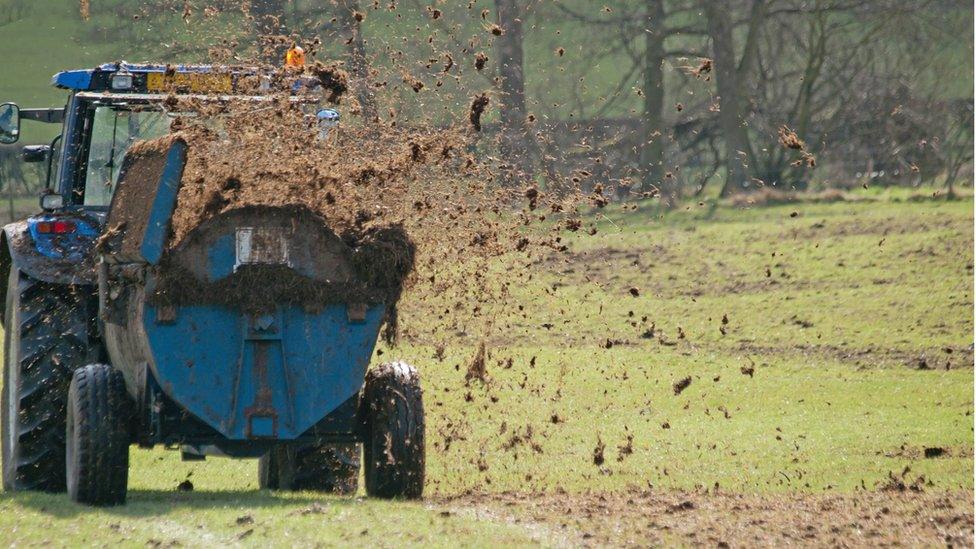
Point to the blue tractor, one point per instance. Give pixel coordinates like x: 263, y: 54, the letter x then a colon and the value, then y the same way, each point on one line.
x: 94, y: 362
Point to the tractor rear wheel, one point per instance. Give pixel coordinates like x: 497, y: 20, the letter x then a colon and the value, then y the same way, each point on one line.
x: 392, y: 416
x: 320, y: 468
x: 97, y: 432
x: 45, y: 339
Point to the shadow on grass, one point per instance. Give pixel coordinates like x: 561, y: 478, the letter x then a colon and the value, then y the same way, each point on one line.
x: 143, y: 503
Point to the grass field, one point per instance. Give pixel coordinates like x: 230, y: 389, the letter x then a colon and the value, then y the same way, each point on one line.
x: 829, y: 349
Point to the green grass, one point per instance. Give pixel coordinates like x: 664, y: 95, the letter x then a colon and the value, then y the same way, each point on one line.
x: 857, y: 294
x: 23, y: 207
x: 248, y: 517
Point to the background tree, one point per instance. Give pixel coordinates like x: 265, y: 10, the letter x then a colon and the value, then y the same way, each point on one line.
x: 350, y: 19
x: 514, y: 142
x: 731, y: 76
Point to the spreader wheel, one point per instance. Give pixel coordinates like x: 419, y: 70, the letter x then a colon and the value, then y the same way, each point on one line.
x: 97, y: 436
x: 320, y: 468
x: 392, y: 415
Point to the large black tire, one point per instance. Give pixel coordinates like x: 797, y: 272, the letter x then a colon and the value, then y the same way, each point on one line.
x: 320, y: 468
x: 97, y: 433
x: 45, y: 339
x: 392, y: 416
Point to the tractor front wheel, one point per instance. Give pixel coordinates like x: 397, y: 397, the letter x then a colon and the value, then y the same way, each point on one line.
x: 392, y: 419
x: 97, y: 436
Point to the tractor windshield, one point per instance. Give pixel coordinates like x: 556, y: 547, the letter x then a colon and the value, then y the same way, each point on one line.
x: 114, y: 130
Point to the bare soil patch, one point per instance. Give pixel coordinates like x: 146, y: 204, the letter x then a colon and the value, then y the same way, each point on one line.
x: 925, y: 359
x: 642, y: 518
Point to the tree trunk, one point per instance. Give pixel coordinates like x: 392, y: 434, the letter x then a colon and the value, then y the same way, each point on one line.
x: 269, y: 22
x: 514, y: 141
x: 738, y: 151
x: 652, y: 128
x: 351, y: 30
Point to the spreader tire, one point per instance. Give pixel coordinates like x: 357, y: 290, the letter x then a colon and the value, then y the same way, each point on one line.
x: 268, y: 471
x: 45, y: 339
x: 320, y: 468
x: 97, y: 434
x: 392, y: 415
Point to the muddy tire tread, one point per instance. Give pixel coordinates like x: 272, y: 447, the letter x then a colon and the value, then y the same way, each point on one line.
x: 392, y: 416
x: 53, y: 340
x: 101, y: 465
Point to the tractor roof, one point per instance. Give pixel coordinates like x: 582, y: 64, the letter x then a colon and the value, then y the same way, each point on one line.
x: 152, y: 78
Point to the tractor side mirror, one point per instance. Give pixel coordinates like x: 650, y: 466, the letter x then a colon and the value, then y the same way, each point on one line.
x: 36, y: 153
x: 9, y: 123
x: 51, y: 201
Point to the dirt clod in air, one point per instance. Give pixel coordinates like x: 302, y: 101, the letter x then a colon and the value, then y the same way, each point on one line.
x: 333, y: 79
x: 704, y: 68
x: 789, y: 139
x: 805, y: 159
x: 478, y: 106
x: 681, y: 385
x: 480, y: 60
x: 415, y: 83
